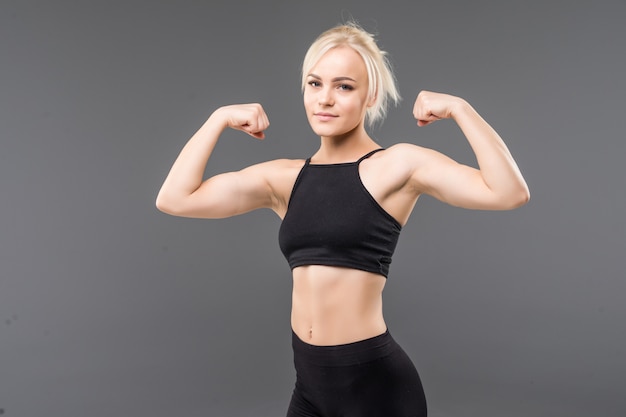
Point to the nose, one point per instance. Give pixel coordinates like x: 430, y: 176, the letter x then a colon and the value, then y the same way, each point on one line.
x: 325, y: 97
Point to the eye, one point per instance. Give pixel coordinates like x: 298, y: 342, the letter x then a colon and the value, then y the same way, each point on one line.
x: 346, y: 87
x: 314, y: 83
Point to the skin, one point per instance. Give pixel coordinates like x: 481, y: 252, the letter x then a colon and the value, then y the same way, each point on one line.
x: 333, y: 305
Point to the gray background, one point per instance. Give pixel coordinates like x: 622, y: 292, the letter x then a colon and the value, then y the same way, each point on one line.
x: 109, y: 307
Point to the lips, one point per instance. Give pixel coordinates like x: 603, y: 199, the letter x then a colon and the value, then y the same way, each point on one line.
x: 324, y: 117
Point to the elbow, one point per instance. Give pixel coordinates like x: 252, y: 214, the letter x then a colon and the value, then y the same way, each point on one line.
x: 522, y: 201
x: 165, y: 205
x: 520, y: 198
x: 181, y: 206
x: 512, y: 199
x: 161, y: 205
x: 526, y: 197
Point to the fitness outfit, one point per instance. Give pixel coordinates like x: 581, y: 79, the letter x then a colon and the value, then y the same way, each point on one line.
x: 332, y: 219
x: 369, y: 378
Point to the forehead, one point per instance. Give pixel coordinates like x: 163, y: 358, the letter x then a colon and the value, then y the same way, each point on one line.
x: 340, y: 61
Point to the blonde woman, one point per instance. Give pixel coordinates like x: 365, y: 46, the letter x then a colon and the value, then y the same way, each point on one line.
x: 342, y: 211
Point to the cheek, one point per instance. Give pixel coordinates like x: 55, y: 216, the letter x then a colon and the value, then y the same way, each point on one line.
x: 355, y: 107
x: 307, y: 100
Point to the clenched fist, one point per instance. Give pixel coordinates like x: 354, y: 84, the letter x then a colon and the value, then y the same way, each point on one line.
x: 249, y: 118
x: 430, y: 107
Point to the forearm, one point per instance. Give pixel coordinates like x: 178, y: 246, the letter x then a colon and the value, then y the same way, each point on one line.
x: 497, y: 166
x: 186, y: 174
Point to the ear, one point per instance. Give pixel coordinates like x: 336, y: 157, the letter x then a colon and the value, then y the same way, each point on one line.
x: 372, y: 101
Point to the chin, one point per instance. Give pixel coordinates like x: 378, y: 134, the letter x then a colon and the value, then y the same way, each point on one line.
x: 323, y: 130
x: 329, y: 131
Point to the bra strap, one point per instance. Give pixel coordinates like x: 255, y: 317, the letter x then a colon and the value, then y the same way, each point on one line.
x: 367, y: 155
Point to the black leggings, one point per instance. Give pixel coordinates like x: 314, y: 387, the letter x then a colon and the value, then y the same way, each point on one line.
x: 369, y: 378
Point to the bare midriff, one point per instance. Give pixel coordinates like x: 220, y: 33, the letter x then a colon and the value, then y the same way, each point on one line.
x: 334, y: 305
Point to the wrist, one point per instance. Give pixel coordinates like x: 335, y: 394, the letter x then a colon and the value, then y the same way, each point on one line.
x: 218, y: 119
x: 459, y: 108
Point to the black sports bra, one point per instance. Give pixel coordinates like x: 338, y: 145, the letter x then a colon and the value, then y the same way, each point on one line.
x: 333, y: 220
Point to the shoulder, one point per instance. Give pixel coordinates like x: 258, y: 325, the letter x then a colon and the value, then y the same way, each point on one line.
x: 407, y: 156
x: 415, y: 157
x: 278, y: 168
x: 275, y: 168
x: 394, y: 166
x: 403, y: 151
x: 411, y: 164
x: 280, y: 175
x: 274, y: 176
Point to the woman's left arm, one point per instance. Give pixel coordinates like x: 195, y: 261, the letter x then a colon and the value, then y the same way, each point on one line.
x: 497, y: 184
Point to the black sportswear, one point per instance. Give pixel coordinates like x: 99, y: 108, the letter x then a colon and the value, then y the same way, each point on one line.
x: 369, y: 378
x: 332, y: 219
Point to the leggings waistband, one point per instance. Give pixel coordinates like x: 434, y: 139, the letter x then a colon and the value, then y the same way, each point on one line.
x: 346, y: 354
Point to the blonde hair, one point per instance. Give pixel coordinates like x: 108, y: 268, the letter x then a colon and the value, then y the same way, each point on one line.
x: 382, y: 83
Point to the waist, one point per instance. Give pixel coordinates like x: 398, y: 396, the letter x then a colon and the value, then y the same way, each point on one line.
x: 334, y: 305
x: 347, y: 354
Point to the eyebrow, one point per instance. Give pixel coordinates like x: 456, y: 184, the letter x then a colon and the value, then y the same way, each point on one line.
x: 334, y: 79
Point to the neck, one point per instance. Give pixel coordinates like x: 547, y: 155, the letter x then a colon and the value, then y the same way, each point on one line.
x: 344, y: 148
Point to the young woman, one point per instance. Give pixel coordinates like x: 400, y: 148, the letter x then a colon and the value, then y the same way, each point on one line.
x: 342, y: 211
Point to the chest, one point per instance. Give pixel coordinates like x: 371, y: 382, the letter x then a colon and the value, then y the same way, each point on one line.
x: 331, y: 205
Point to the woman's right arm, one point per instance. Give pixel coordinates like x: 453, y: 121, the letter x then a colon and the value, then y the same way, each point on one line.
x: 184, y: 193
